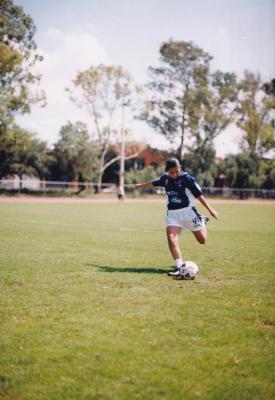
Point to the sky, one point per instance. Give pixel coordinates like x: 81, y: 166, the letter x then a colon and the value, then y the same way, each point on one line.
x: 73, y: 35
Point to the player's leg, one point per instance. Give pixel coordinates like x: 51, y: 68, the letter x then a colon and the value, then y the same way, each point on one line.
x: 173, y: 230
x: 201, y: 235
x: 173, y: 233
x: 196, y: 223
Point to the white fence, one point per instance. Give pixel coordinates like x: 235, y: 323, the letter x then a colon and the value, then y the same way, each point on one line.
x: 53, y: 188
x: 239, y: 193
x: 36, y: 186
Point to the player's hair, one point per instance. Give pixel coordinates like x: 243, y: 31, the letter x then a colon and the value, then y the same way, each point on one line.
x: 172, y: 163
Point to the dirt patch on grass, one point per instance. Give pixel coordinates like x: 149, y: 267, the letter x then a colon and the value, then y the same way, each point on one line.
x: 266, y: 324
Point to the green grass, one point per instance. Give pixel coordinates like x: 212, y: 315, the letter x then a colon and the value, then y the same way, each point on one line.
x: 88, y: 312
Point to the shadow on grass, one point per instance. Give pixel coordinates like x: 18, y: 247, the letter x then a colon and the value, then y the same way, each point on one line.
x: 135, y: 270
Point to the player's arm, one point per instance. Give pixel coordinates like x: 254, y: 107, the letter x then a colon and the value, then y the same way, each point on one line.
x: 151, y: 184
x: 211, y: 210
x: 147, y: 185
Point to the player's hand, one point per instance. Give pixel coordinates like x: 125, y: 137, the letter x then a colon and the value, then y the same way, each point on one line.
x: 214, y: 213
x: 137, y: 185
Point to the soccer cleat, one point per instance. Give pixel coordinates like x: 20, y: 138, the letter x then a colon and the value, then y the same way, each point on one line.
x: 171, y: 273
x: 176, y: 275
x: 176, y: 272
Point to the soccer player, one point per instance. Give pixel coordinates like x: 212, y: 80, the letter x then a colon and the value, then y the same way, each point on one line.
x: 181, y: 190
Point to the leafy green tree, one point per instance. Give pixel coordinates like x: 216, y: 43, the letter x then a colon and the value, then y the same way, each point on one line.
x: 245, y: 170
x: 143, y: 175
x: 186, y: 101
x: 22, y: 154
x: 212, y: 108
x: 17, y: 57
x: 268, y: 166
x: 200, y: 163
x: 269, y: 87
x: 106, y: 92
x: 75, y: 155
x: 255, y: 115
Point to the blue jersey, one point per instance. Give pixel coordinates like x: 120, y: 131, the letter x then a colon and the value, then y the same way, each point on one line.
x: 181, y: 192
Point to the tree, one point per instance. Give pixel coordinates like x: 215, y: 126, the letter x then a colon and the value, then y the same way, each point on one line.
x: 106, y: 92
x: 269, y: 87
x: 212, y: 107
x: 74, y: 153
x: 17, y: 57
x: 239, y: 169
x: 143, y: 175
x: 269, y: 170
x: 22, y: 154
x: 246, y: 170
x: 200, y: 162
x: 211, y: 111
x: 254, y: 115
x: 186, y: 101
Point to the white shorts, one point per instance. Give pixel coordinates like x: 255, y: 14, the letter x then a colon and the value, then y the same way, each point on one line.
x: 185, y: 218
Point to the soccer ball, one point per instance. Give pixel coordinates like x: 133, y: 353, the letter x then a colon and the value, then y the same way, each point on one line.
x: 189, y: 270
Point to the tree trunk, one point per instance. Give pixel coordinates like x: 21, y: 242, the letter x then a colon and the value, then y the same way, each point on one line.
x: 101, y: 171
x: 99, y: 182
x: 20, y: 183
x: 181, y: 146
x: 184, y: 102
x: 121, y: 192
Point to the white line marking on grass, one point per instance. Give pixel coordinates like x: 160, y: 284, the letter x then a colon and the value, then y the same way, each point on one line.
x: 121, y: 228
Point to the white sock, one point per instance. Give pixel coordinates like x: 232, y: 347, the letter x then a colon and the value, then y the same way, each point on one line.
x: 178, y: 263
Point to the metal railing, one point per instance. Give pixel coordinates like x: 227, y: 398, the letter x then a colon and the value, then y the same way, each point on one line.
x: 54, y: 188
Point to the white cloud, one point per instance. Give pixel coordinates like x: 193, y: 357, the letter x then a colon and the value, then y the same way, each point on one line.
x: 66, y: 54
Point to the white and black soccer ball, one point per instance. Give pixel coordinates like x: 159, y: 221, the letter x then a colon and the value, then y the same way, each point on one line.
x: 189, y: 270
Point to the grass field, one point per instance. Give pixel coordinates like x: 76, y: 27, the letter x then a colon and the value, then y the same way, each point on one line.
x: 88, y: 312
